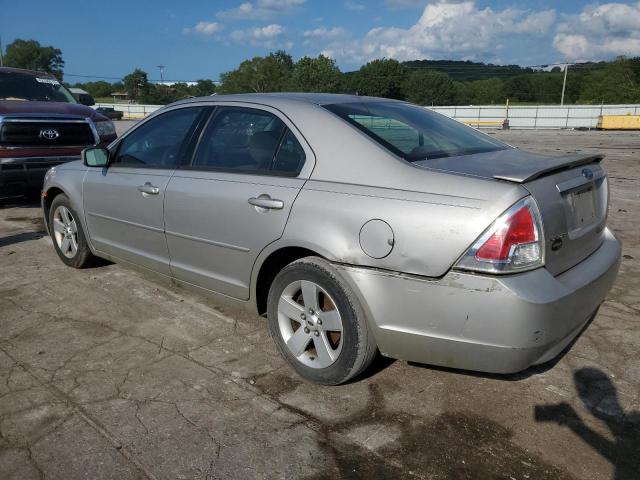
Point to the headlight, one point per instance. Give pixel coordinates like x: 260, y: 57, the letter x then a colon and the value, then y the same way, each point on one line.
x: 105, y: 128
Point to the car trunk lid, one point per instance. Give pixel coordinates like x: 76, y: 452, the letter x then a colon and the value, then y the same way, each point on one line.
x: 571, y: 192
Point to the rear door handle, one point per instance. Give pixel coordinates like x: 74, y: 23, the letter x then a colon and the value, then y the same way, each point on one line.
x: 266, y: 202
x: 149, y: 189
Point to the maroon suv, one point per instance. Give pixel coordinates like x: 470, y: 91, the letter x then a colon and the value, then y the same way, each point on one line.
x: 42, y: 125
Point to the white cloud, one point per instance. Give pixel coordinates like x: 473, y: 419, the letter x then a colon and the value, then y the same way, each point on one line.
x: 270, y: 36
x: 446, y: 27
x: 326, y: 33
x: 600, y: 31
x: 203, y: 28
x: 260, y: 9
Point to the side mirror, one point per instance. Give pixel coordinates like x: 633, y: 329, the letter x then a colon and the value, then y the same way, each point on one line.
x: 95, y: 157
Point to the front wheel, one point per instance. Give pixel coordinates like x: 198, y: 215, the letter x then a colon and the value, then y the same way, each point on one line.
x: 318, y: 324
x: 67, y: 234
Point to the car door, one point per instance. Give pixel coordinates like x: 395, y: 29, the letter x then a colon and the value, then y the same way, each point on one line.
x: 124, y: 203
x: 234, y: 198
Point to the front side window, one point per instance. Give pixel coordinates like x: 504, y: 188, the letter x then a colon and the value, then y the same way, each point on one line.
x: 158, y: 142
x: 19, y: 86
x: 248, y: 140
x: 414, y: 133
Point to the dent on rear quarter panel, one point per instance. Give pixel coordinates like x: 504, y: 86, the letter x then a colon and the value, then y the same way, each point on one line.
x: 430, y: 231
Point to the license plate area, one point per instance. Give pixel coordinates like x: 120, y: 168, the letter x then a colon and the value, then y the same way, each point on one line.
x: 582, y: 209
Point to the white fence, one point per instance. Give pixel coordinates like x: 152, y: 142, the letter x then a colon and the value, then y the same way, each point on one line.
x: 131, y: 111
x: 538, y: 116
x: 535, y: 116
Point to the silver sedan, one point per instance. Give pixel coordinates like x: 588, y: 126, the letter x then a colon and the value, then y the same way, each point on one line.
x: 357, y: 225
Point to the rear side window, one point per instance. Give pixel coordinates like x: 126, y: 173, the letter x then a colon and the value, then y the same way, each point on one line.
x: 247, y: 140
x: 158, y: 142
x: 290, y: 156
x: 414, y: 133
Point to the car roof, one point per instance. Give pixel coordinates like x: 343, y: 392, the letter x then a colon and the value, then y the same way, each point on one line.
x: 24, y: 71
x: 276, y: 99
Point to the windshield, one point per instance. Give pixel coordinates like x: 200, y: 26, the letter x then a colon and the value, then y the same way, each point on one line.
x: 413, y: 132
x: 20, y: 86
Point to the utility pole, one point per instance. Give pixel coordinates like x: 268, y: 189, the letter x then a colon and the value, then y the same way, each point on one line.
x: 564, y: 83
x: 1, y: 59
x: 161, y: 67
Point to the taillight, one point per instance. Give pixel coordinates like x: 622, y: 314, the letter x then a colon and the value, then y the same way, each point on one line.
x: 514, y: 242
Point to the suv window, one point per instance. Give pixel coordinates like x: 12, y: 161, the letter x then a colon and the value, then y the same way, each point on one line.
x: 248, y: 140
x: 157, y: 143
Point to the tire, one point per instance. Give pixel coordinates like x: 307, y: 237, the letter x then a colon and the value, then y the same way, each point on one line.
x: 66, y: 232
x: 307, y: 302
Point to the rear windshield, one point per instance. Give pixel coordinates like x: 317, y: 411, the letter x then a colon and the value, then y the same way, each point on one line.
x: 413, y: 132
x: 18, y: 86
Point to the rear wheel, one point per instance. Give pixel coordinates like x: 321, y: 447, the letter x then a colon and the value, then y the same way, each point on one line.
x: 68, y: 237
x: 318, y: 324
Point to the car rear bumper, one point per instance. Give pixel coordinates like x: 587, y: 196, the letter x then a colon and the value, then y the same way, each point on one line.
x: 27, y: 173
x: 499, y: 324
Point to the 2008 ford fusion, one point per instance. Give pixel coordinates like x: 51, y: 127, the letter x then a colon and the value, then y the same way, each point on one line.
x: 355, y: 224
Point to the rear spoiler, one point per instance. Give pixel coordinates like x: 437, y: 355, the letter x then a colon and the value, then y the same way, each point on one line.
x: 521, y: 173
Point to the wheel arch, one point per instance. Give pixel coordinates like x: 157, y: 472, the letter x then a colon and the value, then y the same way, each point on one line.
x: 270, y: 264
x: 47, y: 199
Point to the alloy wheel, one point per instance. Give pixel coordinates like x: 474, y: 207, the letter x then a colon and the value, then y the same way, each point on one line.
x: 65, y: 231
x: 310, y: 324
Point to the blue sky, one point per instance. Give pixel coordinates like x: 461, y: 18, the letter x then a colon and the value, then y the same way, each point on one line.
x: 203, y: 38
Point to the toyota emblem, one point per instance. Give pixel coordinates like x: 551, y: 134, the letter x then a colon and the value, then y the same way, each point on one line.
x: 49, y: 133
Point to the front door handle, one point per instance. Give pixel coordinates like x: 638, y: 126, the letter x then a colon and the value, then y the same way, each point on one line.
x: 148, y: 189
x: 264, y: 201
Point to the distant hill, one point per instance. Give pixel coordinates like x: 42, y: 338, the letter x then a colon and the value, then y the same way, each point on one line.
x: 463, y: 71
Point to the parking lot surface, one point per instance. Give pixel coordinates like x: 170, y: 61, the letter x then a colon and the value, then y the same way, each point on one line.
x: 106, y: 373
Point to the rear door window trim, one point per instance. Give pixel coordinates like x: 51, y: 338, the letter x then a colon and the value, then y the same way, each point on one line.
x: 261, y: 172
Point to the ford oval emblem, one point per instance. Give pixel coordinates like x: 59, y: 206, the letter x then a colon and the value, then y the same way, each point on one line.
x: 587, y: 173
x: 49, y: 133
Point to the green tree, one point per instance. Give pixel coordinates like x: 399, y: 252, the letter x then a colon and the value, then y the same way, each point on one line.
x: 430, y: 87
x: 381, y: 78
x: 203, y: 88
x: 483, y: 92
x: 260, y: 74
x: 163, y: 94
x: 33, y: 56
x: 618, y: 82
x: 316, y: 75
x: 97, y: 89
x: 137, y: 85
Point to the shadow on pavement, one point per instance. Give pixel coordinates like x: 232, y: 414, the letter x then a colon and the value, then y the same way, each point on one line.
x: 21, y: 237
x: 598, y: 394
